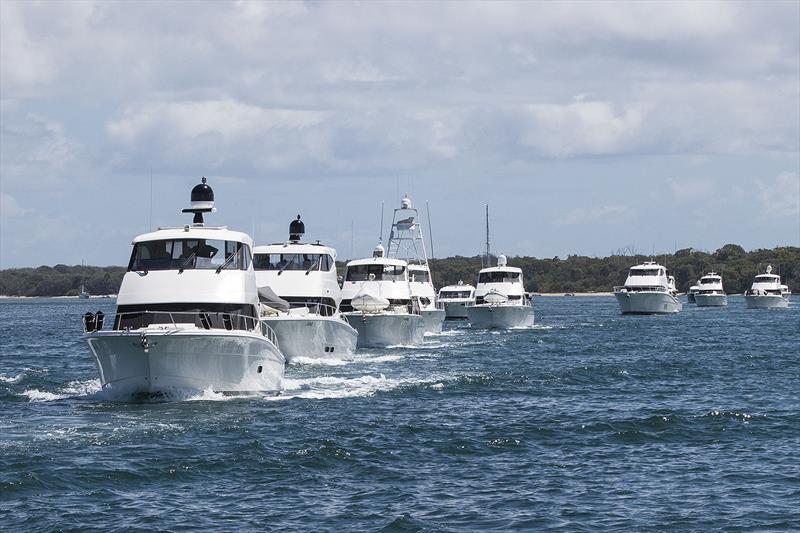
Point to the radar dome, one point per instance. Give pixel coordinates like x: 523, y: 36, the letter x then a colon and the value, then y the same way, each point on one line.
x: 296, y: 230
x: 501, y: 260
x: 378, y: 251
x: 405, y: 203
x: 202, y: 201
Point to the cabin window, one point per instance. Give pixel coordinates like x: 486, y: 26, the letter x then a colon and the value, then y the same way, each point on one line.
x: 420, y: 276
x: 327, y: 263
x: 189, y: 254
x: 646, y: 272
x: 454, y: 294
x: 498, y: 277
x: 381, y: 272
x: 205, y: 315
x: 281, y: 262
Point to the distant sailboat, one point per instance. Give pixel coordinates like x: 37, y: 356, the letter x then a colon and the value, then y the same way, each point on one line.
x: 84, y: 294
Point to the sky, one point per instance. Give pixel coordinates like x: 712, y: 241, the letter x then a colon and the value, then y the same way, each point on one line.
x: 588, y: 127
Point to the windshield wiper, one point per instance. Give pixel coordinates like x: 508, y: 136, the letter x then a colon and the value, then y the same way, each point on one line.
x: 186, y: 263
x: 314, y: 265
x: 226, y: 263
x: 284, y: 267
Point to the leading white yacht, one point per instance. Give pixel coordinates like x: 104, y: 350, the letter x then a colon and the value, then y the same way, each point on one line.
x: 187, y: 314
x: 407, y: 243
x: 454, y: 300
x: 300, y: 297
x: 500, y: 299
x: 377, y: 301
x: 649, y: 289
x: 710, y: 292
x: 767, y: 292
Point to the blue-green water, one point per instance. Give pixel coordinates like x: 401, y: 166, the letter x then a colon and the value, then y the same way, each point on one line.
x: 589, y: 421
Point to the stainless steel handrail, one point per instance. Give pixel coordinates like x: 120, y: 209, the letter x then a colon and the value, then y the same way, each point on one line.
x: 257, y: 325
x: 313, y: 307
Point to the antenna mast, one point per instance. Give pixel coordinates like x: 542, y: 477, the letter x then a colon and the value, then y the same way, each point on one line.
x: 430, y: 230
x: 380, y: 240
x: 488, y: 248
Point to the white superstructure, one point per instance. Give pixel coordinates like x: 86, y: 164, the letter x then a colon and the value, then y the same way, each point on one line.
x: 187, y: 314
x: 710, y: 292
x: 377, y: 301
x: 767, y: 292
x: 649, y: 289
x: 454, y: 299
x: 407, y: 243
x: 305, y: 310
x: 500, y: 299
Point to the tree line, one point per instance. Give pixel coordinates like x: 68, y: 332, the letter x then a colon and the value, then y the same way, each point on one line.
x: 572, y: 274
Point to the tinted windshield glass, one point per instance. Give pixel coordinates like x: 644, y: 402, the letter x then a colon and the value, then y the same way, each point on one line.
x: 381, y: 272
x: 765, y: 279
x: 454, y: 294
x: 498, y: 277
x: 189, y: 254
x: 644, y: 272
x: 283, y: 262
x: 419, y: 276
x: 707, y: 281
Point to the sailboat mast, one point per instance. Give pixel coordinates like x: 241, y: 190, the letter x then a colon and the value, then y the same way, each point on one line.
x: 430, y: 230
x: 488, y: 249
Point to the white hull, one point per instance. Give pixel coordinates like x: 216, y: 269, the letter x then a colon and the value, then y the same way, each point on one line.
x: 225, y: 361
x: 313, y: 336
x: 500, y: 316
x: 647, y: 303
x: 711, y: 300
x: 381, y: 330
x: 769, y: 301
x: 455, y: 310
x: 434, y: 318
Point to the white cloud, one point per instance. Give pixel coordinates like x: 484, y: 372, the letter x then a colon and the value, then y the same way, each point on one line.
x: 780, y: 197
x: 10, y: 208
x: 583, y: 215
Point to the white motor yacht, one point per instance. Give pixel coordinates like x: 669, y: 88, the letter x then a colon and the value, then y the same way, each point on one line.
x: 710, y: 292
x: 500, y: 299
x: 187, y: 315
x: 377, y: 301
x: 691, y: 294
x: 407, y: 243
x: 767, y: 292
x: 454, y: 299
x: 83, y: 294
x: 300, y: 297
x: 649, y: 289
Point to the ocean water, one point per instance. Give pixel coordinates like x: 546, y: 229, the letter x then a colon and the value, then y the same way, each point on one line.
x: 590, y: 420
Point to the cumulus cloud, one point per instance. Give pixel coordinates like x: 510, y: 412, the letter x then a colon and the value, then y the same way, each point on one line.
x: 780, y: 196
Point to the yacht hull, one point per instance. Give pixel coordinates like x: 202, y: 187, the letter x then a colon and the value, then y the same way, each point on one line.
x: 500, y: 316
x: 711, y: 300
x: 152, y: 361
x: 455, y: 310
x: 315, y: 337
x: 434, y: 318
x: 768, y: 301
x: 381, y: 330
x: 647, y: 303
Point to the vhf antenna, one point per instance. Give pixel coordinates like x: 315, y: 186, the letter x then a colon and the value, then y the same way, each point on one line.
x: 380, y: 240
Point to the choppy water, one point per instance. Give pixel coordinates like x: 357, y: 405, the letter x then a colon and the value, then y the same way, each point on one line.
x: 590, y: 420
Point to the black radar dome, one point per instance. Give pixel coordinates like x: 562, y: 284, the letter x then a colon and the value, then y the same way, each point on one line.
x: 202, y: 192
x: 296, y: 230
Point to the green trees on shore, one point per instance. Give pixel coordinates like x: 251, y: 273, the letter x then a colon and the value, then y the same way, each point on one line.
x: 573, y: 274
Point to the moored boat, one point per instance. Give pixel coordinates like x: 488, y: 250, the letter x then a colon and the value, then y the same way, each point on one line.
x: 649, y: 289
x: 710, y: 292
x: 767, y: 292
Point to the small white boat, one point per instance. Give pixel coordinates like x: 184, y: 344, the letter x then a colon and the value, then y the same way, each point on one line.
x: 300, y: 297
x: 767, y: 292
x: 407, y: 243
x: 454, y: 299
x: 710, y: 292
x: 377, y: 302
x: 83, y: 294
x: 690, y: 296
x: 500, y: 299
x: 187, y: 315
x: 649, y: 289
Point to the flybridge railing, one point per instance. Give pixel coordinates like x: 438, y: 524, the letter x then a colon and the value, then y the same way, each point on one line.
x: 643, y: 288
x: 207, y: 320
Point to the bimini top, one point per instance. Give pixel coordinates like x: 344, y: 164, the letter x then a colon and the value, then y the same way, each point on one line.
x: 502, y: 266
x: 195, y: 232
x: 377, y: 261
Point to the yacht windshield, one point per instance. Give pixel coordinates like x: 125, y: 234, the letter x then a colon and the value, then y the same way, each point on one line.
x: 454, y: 294
x: 382, y: 272
x: 765, y: 279
x: 709, y: 281
x: 419, y: 276
x: 498, y: 277
x: 189, y: 254
x: 645, y: 271
x: 283, y: 262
